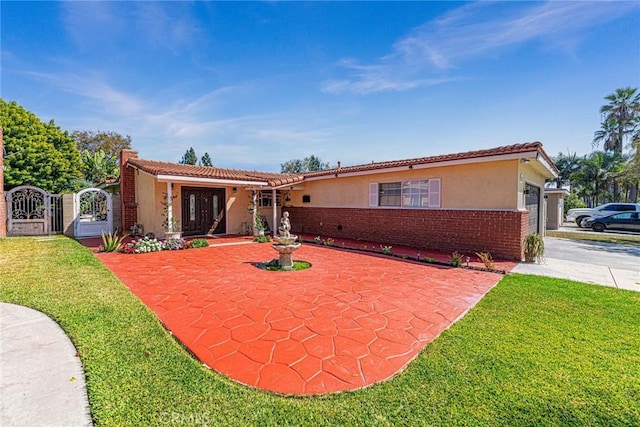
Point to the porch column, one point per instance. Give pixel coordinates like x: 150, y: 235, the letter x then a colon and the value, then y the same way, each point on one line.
x: 275, y: 212
x: 254, y: 200
x: 169, y: 207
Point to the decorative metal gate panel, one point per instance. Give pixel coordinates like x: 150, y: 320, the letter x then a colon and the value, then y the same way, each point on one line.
x: 28, y: 211
x: 55, y: 214
x: 93, y: 212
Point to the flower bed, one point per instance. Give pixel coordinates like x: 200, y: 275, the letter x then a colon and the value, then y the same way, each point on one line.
x: 146, y: 245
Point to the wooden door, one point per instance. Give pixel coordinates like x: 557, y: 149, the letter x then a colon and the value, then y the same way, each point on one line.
x: 203, y: 211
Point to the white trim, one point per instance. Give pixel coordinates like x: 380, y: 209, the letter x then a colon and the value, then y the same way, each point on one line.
x: 274, y: 217
x: 291, y: 187
x: 500, y: 157
x: 190, y: 180
x: 170, y: 208
x: 547, y: 166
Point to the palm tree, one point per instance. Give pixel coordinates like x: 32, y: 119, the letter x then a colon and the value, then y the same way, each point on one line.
x: 620, y: 119
x: 620, y: 122
x: 567, y: 165
x: 595, y: 177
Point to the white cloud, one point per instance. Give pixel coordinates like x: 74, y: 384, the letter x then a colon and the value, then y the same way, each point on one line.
x: 429, y: 53
x: 160, y: 25
x: 164, y: 128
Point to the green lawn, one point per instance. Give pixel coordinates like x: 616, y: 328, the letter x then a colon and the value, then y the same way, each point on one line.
x: 535, y: 351
x: 623, y: 239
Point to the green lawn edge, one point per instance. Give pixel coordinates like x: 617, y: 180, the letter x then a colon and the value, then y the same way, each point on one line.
x: 623, y: 239
x: 534, y: 351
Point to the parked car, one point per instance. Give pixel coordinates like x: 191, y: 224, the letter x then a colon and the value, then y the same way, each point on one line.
x: 579, y: 214
x: 627, y: 221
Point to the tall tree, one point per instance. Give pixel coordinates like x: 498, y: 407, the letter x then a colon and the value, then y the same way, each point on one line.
x: 598, y: 174
x: 206, y: 160
x: 308, y: 164
x: 620, y: 123
x: 620, y: 119
x: 189, y: 157
x: 567, y: 165
x: 41, y: 154
x: 110, y: 142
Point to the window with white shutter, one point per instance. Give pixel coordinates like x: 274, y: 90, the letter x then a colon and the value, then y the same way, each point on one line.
x: 434, y: 193
x: 373, y: 194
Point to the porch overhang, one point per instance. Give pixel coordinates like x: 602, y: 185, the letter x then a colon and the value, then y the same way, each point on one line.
x: 179, y: 179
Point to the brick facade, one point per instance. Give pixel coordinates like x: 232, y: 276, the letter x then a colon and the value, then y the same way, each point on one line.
x: 128, y: 204
x: 499, y: 232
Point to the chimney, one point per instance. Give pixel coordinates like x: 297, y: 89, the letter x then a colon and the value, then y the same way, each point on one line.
x: 129, y: 207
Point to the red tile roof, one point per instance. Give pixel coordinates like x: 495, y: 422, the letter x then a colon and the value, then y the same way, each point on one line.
x: 507, y: 149
x: 154, y: 167
x: 276, y: 179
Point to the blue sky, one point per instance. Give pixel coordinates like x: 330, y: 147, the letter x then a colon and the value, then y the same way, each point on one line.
x: 257, y: 83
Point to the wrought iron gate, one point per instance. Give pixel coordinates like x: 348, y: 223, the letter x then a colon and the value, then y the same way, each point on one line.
x: 31, y: 211
x: 93, y: 212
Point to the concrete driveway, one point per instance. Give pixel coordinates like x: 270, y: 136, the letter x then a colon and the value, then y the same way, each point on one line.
x: 615, y: 265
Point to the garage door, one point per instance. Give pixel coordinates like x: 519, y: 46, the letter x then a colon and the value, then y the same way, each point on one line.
x: 532, y: 203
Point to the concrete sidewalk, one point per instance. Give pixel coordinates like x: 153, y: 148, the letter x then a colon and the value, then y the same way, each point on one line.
x: 607, y: 264
x: 41, y: 378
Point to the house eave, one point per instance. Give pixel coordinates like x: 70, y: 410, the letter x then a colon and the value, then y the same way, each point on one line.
x: 532, y: 155
x: 178, y: 179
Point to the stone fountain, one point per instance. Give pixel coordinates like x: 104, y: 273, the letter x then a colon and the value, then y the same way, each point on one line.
x: 286, y: 243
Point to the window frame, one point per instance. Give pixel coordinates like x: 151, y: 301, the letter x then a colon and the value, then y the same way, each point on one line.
x: 429, y: 191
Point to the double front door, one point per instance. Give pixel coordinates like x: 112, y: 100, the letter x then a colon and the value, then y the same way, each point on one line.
x: 203, y: 211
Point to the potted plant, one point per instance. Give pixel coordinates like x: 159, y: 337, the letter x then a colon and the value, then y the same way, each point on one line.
x: 171, y: 228
x: 534, y: 248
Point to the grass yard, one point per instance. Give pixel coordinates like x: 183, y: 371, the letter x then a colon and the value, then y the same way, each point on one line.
x: 535, y: 351
x: 624, y: 239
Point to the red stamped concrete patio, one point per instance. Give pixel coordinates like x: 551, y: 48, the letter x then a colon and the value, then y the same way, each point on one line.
x: 349, y: 321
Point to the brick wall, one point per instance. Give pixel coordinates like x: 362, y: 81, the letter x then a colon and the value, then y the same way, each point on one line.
x: 128, y: 205
x: 499, y: 232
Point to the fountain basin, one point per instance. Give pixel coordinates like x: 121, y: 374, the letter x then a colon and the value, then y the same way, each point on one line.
x: 285, y: 251
x: 285, y: 240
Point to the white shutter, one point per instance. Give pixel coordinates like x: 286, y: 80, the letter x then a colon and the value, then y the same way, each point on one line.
x: 434, y: 193
x: 373, y: 194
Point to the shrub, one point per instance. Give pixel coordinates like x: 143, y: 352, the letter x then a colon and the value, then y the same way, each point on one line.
x: 262, y: 238
x: 572, y: 201
x: 174, y: 244
x: 199, y: 243
x: 455, y: 259
x: 328, y: 242
x: 317, y: 240
x: 143, y: 245
x: 111, y: 242
x: 386, y: 249
x: 534, y: 248
x: 429, y: 260
x: 487, y: 260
